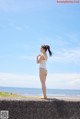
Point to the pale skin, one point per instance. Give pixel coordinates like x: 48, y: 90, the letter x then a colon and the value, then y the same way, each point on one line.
x: 38, y: 61
x: 41, y: 56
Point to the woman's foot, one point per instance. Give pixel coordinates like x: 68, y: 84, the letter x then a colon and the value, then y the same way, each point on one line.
x: 43, y: 97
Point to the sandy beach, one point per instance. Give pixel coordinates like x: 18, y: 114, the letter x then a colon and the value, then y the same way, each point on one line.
x: 37, y: 98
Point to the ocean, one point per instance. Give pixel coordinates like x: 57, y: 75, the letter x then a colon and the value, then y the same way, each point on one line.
x: 38, y: 92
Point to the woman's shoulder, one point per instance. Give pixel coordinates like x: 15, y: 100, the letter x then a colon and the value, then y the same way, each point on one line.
x: 45, y: 56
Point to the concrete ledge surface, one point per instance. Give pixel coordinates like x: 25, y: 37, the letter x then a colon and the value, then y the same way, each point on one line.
x: 33, y: 108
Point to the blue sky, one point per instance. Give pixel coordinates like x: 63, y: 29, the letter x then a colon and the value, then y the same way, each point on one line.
x: 27, y: 24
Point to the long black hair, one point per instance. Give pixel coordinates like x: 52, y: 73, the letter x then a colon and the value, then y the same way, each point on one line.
x: 47, y: 47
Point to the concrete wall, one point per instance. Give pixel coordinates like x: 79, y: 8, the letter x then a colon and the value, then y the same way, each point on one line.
x: 52, y: 109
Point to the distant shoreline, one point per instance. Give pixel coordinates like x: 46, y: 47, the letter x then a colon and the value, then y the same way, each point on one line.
x: 38, y: 92
x: 12, y: 96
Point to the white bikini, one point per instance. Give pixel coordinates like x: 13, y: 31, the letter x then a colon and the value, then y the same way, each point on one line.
x: 43, y: 63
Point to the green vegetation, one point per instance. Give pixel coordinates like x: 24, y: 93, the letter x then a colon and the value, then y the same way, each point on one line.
x: 7, y: 94
x: 13, y: 95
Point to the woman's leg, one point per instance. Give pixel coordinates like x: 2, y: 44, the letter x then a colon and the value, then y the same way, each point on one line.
x: 43, y: 74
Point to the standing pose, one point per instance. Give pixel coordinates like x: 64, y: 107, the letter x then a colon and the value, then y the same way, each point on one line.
x: 42, y: 59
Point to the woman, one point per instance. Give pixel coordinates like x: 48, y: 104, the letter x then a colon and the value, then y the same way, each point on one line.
x: 42, y: 59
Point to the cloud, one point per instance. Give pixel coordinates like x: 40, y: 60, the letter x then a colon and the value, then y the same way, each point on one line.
x: 17, y: 80
x: 75, y: 81
x: 71, y: 56
x: 26, y: 58
x: 73, y: 37
x: 64, y: 80
x: 65, y: 51
x: 18, y: 28
x: 10, y: 24
x: 15, y: 26
x: 18, y: 57
x: 56, y: 80
x: 20, y: 5
x: 67, y: 56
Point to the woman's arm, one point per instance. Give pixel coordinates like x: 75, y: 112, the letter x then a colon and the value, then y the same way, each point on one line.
x: 40, y: 59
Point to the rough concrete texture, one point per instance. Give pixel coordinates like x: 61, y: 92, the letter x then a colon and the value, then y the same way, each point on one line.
x: 36, y: 109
